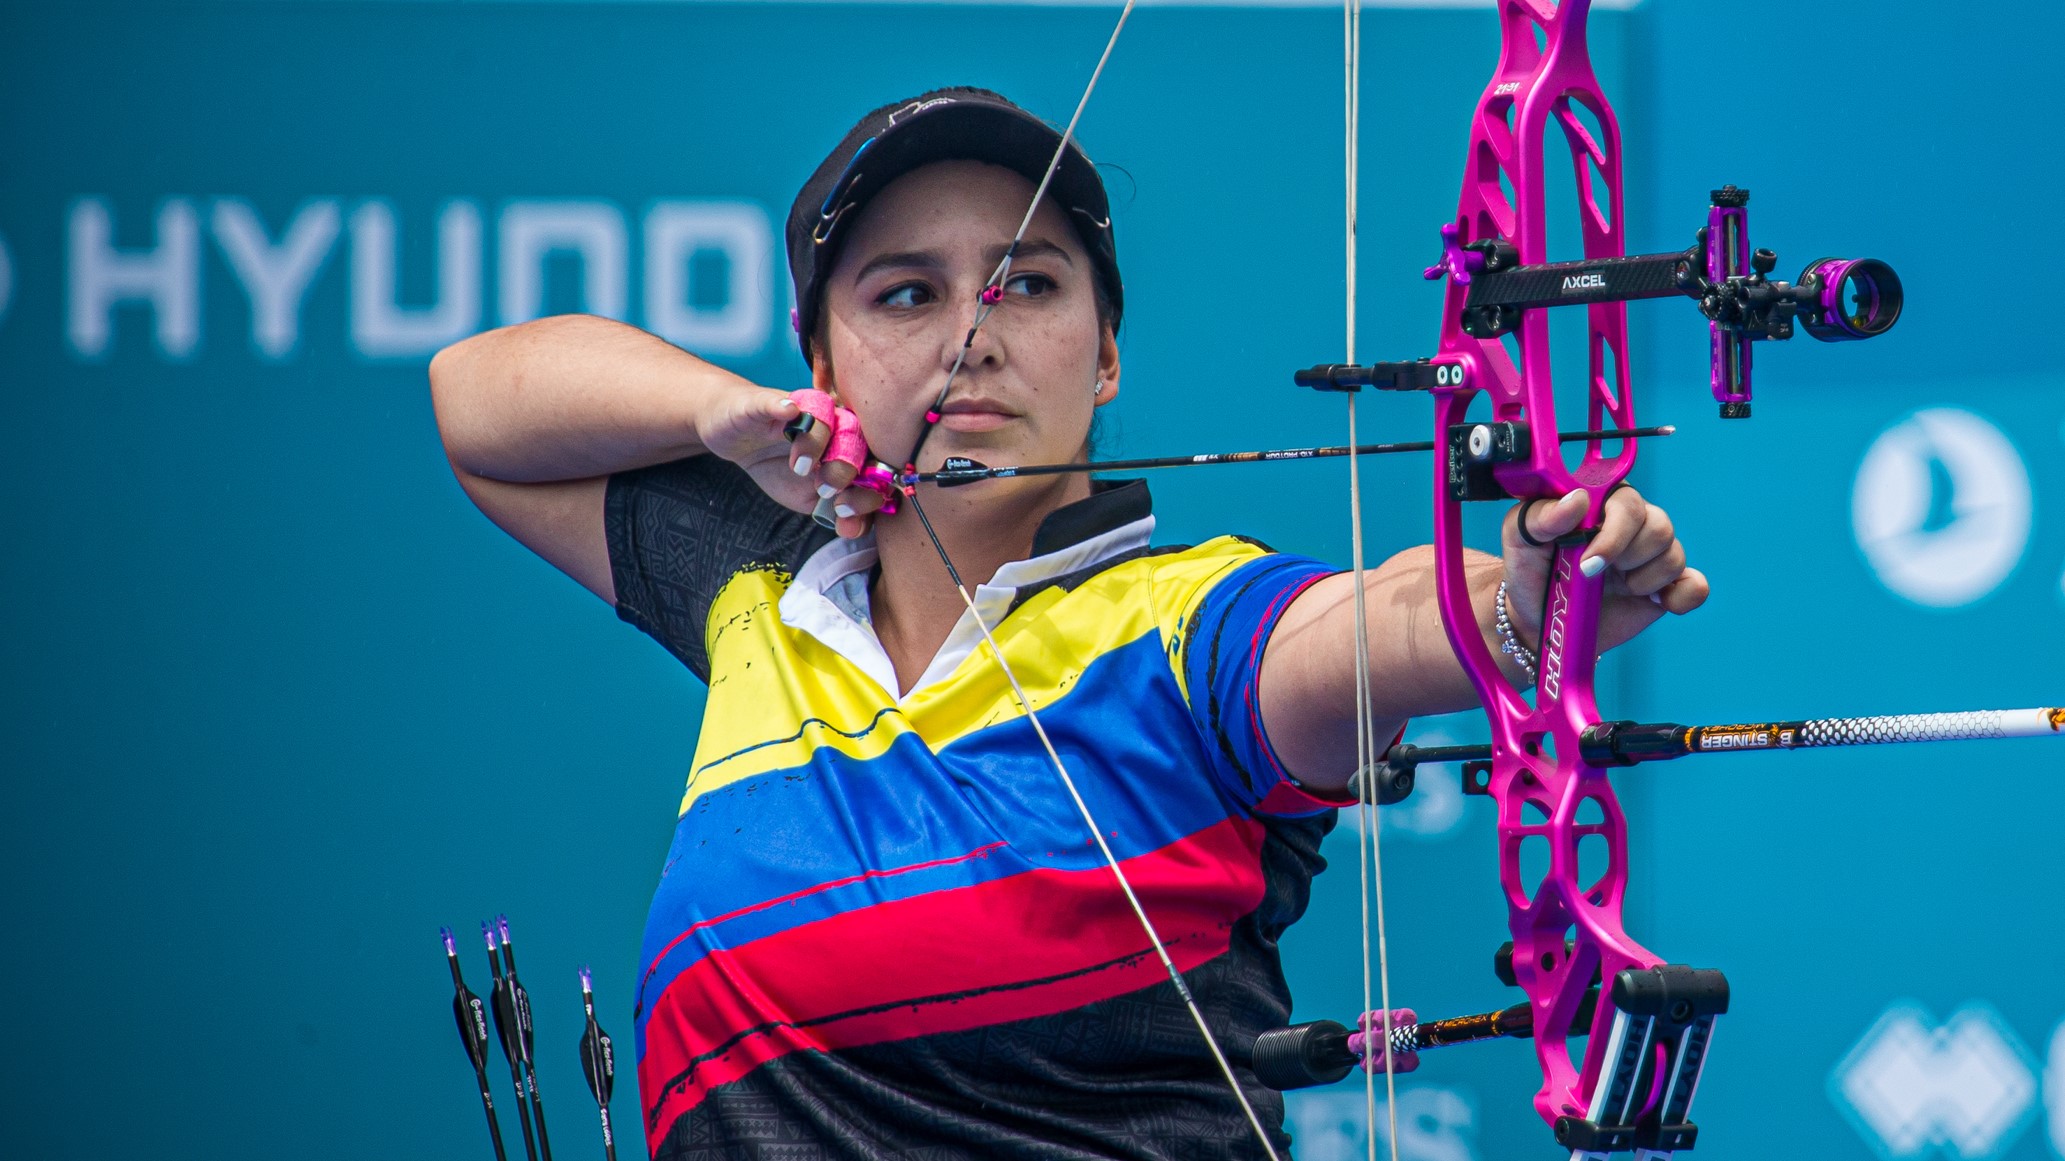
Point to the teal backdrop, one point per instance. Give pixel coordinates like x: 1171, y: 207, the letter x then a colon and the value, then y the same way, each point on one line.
x: 278, y: 702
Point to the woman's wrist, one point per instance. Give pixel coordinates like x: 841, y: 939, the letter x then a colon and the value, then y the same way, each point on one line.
x: 1507, y: 635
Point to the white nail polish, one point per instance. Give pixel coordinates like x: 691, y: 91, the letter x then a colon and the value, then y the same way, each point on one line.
x: 826, y: 491
x: 1657, y: 599
x: 844, y: 510
x: 1592, y: 566
x: 803, y: 465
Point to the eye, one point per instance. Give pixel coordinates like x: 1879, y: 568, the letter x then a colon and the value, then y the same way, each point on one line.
x: 910, y: 294
x: 1029, y: 285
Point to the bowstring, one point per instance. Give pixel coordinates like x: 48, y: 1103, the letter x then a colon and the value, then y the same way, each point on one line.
x: 992, y: 288
x: 1369, y: 842
x: 991, y: 296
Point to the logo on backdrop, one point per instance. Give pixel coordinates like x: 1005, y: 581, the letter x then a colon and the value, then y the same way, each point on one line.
x: 1434, y: 1124
x: 2054, y: 1090
x: 708, y: 270
x: 1941, y: 507
x: 1964, y: 1089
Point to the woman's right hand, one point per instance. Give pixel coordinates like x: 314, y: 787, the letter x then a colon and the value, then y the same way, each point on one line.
x: 750, y: 430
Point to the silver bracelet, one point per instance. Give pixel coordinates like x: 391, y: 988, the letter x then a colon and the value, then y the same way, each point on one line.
x: 1508, y: 643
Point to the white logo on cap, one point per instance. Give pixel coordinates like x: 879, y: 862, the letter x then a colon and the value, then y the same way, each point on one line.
x: 917, y: 107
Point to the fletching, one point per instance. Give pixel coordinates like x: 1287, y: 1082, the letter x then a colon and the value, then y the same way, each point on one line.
x: 598, y: 1063
x: 472, y: 1017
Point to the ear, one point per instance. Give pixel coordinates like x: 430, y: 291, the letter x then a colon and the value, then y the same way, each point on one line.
x: 821, y: 375
x: 1108, y: 366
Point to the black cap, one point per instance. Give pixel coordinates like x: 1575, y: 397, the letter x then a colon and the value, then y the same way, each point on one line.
x: 957, y: 124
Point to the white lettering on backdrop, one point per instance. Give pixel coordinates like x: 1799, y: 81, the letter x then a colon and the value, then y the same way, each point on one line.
x: 707, y: 272
x: 675, y: 233
x: 529, y: 231
x: 275, y: 277
x: 380, y: 325
x: 167, y: 276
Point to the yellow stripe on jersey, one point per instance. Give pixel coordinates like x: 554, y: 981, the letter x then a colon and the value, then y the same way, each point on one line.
x: 783, y: 693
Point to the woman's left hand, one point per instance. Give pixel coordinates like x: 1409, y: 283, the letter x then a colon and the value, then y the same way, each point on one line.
x: 1636, y: 546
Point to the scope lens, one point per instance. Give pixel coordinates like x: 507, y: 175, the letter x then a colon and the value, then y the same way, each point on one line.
x: 1860, y: 299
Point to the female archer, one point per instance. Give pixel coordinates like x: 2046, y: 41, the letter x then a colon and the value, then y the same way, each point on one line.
x: 884, y: 928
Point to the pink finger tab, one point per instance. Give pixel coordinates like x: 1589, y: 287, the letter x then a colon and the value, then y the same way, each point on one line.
x: 847, y: 446
x: 816, y: 404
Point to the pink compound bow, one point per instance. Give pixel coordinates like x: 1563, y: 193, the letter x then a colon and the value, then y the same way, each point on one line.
x: 1646, y: 1024
x: 1567, y: 933
x: 1546, y: 767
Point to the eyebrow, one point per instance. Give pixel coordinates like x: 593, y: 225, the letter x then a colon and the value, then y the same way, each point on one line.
x: 933, y: 259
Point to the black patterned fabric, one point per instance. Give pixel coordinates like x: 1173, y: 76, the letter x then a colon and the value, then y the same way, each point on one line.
x: 1122, y: 1078
x: 677, y: 531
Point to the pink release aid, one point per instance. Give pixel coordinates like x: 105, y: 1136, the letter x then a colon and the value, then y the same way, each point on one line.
x: 847, y: 445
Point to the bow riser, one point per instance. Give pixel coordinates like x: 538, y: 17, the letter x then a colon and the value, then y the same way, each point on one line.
x: 1567, y: 930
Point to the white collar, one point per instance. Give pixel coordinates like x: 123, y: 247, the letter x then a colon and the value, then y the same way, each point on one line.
x: 810, y: 606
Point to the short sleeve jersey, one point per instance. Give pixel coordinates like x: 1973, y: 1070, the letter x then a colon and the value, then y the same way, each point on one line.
x: 883, y: 929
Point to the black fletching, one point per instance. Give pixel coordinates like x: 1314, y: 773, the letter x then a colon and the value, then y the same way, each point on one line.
x: 598, y: 1064
x: 959, y: 470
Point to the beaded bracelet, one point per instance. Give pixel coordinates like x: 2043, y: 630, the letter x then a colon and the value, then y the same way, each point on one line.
x: 1510, y: 644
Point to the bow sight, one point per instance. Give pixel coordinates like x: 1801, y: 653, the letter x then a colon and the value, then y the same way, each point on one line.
x: 1835, y: 299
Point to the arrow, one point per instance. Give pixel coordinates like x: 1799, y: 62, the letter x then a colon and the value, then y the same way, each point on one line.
x: 472, y: 1018
x: 525, y: 1040
x: 959, y: 470
x: 506, y: 1029
x: 1627, y: 743
x: 598, y: 1063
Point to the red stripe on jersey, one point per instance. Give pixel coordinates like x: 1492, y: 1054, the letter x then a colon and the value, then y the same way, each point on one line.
x: 1034, y: 944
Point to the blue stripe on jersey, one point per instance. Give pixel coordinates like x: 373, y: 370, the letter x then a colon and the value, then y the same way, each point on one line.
x: 1123, y: 730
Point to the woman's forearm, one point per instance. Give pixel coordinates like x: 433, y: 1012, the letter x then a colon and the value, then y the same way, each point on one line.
x: 569, y: 398
x: 1414, y: 668
x: 1308, y: 682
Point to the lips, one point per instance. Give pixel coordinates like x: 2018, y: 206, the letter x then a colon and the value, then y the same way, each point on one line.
x: 975, y: 415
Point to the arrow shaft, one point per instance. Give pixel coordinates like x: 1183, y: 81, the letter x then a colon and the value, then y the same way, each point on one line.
x: 1663, y: 742
x: 949, y: 476
x: 1627, y: 743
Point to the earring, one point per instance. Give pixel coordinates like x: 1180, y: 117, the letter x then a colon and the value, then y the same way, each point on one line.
x: 1096, y: 388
